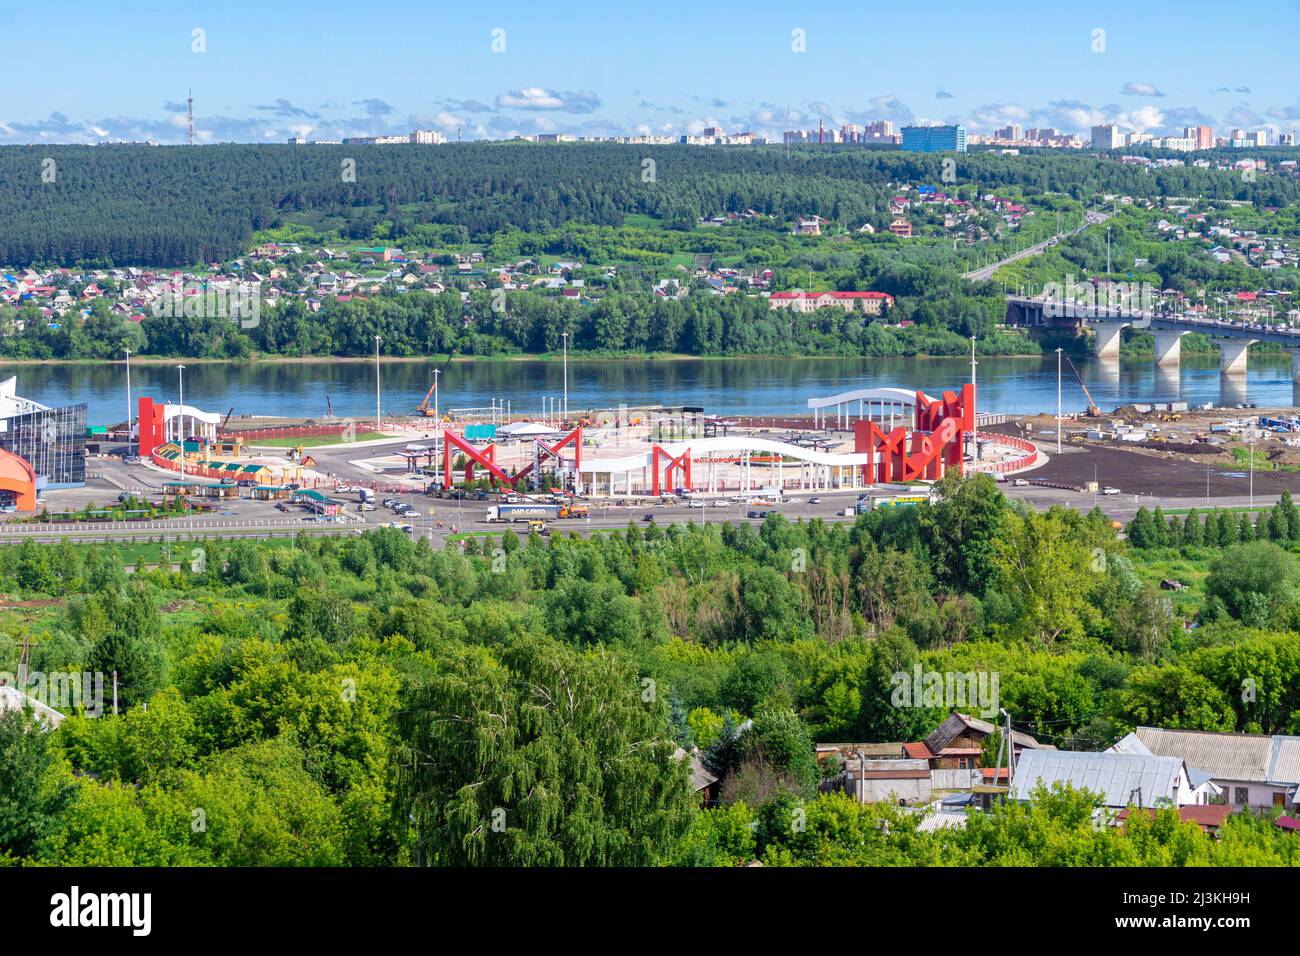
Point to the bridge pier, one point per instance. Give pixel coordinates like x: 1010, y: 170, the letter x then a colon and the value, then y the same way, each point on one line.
x: 1169, y: 347
x: 1106, y: 344
x: 1295, y: 365
x: 1232, y: 355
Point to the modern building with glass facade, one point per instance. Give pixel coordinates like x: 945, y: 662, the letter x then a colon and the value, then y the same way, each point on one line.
x: 934, y: 139
x: 51, y: 440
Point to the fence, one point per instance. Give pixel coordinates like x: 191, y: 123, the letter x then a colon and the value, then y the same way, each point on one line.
x: 954, y: 779
x: 286, y: 431
x: 1015, y: 464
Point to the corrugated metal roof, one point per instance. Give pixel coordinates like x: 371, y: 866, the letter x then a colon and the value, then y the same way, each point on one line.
x: 1121, y: 779
x: 1243, y: 757
x: 1284, y: 765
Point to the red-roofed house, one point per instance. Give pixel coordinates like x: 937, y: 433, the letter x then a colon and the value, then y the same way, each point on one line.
x: 1209, y: 817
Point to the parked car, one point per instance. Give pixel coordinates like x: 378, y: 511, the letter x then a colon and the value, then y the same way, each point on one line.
x: 815, y: 500
x: 247, y: 483
x: 722, y: 503
x: 1109, y: 491
x: 647, y: 517
x: 281, y: 506
x: 1020, y: 482
x: 696, y: 503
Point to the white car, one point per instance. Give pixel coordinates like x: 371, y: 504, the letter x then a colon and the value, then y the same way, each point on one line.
x: 411, y: 514
x: 1110, y: 491
x: 722, y: 503
x: 696, y: 503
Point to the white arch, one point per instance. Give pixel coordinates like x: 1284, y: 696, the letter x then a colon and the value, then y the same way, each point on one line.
x: 730, y: 443
x: 170, y: 411
x: 896, y: 396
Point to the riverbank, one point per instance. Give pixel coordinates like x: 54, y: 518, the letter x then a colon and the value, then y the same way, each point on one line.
x: 251, y: 360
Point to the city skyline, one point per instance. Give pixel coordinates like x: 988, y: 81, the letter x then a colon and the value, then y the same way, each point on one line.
x: 263, y: 75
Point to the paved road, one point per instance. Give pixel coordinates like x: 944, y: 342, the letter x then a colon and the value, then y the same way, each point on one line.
x: 984, y: 273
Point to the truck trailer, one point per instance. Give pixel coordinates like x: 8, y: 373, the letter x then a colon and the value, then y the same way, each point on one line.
x: 523, y: 512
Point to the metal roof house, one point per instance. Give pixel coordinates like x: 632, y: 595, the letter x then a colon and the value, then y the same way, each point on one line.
x: 1121, y: 779
x: 1256, y: 770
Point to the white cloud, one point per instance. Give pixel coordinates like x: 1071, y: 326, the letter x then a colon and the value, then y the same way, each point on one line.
x: 541, y: 98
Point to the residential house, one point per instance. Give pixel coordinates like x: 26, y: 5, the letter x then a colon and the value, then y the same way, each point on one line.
x: 1121, y: 779
x: 1254, y: 770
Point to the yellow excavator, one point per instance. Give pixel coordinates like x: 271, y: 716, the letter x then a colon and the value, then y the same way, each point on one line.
x: 1093, y: 410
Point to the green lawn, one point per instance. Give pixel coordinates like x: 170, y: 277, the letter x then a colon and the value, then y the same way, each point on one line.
x: 313, y: 441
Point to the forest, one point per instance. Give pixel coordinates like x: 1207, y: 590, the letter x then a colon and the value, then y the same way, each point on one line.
x: 519, y: 700
x: 178, y: 206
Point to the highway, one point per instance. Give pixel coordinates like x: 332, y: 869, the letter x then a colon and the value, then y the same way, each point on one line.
x: 440, y: 518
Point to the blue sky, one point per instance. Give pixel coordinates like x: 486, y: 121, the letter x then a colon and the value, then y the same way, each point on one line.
x: 120, y: 70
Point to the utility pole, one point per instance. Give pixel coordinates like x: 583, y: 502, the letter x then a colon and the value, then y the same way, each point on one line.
x: 436, y: 416
x: 1252, y: 467
x: 564, y: 408
x: 377, y: 412
x: 1108, y: 250
x: 1058, y: 401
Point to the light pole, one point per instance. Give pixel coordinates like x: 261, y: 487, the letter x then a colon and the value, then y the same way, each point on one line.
x: 1252, y: 467
x: 128, y: 401
x: 1058, y: 401
x: 180, y: 418
x: 975, y: 424
x: 377, y: 413
x: 564, y: 408
x: 1108, y: 250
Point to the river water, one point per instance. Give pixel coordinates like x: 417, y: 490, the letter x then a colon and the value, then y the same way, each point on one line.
x: 754, y: 386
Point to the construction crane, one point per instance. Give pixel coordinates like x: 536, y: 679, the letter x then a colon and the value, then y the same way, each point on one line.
x: 425, y: 408
x: 1093, y: 410
x: 329, y: 407
x: 227, y: 420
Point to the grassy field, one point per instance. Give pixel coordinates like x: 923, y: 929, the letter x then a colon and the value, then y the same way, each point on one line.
x: 1167, y: 564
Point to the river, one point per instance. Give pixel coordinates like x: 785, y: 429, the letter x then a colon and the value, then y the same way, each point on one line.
x: 754, y: 386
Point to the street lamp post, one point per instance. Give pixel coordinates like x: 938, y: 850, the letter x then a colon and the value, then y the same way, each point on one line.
x: 128, y: 400
x: 1058, y: 401
x: 565, y: 406
x: 377, y: 413
x: 180, y: 418
x: 975, y: 424
x: 1252, y: 468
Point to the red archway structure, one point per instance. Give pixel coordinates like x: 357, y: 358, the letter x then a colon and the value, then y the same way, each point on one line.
x: 682, y: 462
x: 574, y: 438
x: 486, y: 458
x: 936, y: 440
x: 19, y: 478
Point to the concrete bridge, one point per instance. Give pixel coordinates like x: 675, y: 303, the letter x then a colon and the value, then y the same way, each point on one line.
x: 1233, y: 338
